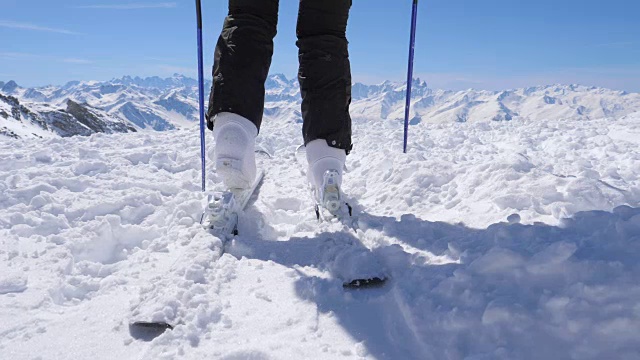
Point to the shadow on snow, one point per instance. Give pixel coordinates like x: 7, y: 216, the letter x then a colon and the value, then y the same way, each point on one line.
x: 494, y: 295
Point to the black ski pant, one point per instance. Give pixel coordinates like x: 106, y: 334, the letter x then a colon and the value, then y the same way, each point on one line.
x: 243, y: 57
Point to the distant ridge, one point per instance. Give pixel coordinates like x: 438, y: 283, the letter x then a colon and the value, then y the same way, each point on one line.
x: 154, y: 103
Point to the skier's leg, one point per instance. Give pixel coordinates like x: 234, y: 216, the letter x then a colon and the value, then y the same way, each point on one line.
x: 241, y: 64
x: 325, y: 71
x: 242, y: 60
x: 325, y: 85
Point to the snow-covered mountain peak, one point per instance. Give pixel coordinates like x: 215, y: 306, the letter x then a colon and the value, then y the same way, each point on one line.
x: 168, y: 103
x: 279, y: 82
x: 10, y: 87
x: 157, y: 82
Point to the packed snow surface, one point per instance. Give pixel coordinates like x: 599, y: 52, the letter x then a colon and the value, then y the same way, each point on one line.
x: 501, y: 240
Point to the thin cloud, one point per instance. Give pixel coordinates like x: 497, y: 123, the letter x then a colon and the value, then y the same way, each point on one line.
x: 612, y: 78
x: 14, y: 55
x: 27, y: 26
x: 165, y: 5
x: 76, y: 61
x: 163, y: 60
x: 23, y: 56
x: 619, y: 44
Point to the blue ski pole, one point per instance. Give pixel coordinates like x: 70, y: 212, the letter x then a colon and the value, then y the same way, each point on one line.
x: 414, y: 15
x: 201, y: 93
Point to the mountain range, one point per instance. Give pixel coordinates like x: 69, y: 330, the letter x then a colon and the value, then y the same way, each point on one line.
x: 130, y: 104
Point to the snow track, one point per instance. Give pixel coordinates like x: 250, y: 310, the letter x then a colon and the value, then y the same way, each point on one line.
x: 96, y: 230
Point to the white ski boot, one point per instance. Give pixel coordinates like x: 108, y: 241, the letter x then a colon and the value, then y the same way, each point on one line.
x: 235, y: 159
x: 326, y: 165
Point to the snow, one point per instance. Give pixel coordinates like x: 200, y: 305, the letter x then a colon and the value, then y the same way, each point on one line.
x: 155, y: 104
x: 22, y: 129
x: 12, y: 284
x: 502, y: 240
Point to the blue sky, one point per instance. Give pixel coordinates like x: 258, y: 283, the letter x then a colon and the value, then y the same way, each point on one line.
x: 489, y: 44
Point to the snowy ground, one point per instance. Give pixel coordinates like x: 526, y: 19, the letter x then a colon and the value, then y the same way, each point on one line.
x: 503, y: 240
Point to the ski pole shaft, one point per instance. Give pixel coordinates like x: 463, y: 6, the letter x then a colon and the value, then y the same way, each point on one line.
x: 412, y: 43
x: 201, y: 92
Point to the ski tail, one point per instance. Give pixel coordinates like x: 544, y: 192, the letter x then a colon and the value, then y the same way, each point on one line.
x: 370, y: 282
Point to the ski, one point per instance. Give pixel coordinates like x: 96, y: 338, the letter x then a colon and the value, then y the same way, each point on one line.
x: 220, y: 219
x: 330, y: 206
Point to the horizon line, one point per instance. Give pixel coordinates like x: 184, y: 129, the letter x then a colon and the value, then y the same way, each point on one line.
x: 391, y: 82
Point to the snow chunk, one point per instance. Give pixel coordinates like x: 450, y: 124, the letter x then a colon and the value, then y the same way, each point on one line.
x: 90, y: 168
x: 12, y: 284
x: 514, y: 219
x: 43, y: 156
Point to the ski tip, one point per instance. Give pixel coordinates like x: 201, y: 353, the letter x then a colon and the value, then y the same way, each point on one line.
x: 365, y: 283
x: 152, y: 325
x: 147, y: 331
